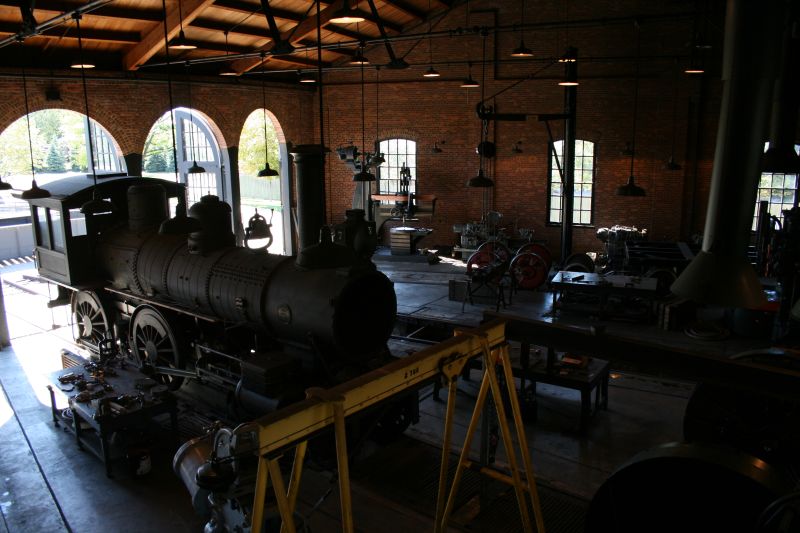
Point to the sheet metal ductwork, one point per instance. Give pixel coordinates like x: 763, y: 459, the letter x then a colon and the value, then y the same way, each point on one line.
x: 720, y: 273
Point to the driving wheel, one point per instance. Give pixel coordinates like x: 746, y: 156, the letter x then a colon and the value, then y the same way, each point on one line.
x: 89, y: 319
x: 529, y: 270
x: 154, y: 343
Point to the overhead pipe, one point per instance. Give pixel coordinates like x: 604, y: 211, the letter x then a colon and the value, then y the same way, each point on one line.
x: 53, y: 22
x: 720, y: 273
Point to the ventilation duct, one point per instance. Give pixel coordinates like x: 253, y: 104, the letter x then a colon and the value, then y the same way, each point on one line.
x: 720, y: 274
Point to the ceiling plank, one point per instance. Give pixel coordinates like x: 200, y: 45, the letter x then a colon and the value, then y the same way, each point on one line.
x: 349, y: 52
x: 340, y: 30
x: 406, y: 8
x: 113, y: 36
x: 245, y: 7
x: 153, y: 40
x: 56, y: 6
x: 216, y: 25
x: 397, y: 28
x: 300, y: 60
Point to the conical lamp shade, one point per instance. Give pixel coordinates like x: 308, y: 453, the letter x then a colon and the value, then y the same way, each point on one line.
x: 4, y: 185
x: 181, y: 43
x: 480, y: 180
x: 522, y: 51
x: 378, y: 159
x: 630, y: 189
x: 96, y: 205
x: 35, y: 192
x: 470, y: 83
x: 196, y: 169
x: 267, y: 172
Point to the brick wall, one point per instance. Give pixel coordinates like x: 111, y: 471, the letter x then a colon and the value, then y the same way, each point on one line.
x: 440, y: 111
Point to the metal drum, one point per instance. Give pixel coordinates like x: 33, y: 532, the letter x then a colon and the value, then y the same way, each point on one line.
x: 686, y: 487
x: 579, y: 263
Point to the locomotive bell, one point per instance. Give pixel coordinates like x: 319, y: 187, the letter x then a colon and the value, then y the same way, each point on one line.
x: 216, y: 230
x: 258, y: 228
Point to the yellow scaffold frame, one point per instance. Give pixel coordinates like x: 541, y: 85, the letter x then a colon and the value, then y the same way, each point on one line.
x: 292, y: 426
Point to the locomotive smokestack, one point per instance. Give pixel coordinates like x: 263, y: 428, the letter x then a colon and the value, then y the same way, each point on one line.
x: 310, y: 178
x: 720, y: 273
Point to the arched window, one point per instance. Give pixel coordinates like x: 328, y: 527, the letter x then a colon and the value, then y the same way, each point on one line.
x: 398, y: 153
x: 195, y: 146
x: 263, y: 194
x: 60, y: 140
x: 778, y: 189
x: 583, y: 190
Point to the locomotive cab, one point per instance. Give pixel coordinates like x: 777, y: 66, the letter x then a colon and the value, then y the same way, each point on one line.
x: 64, y: 237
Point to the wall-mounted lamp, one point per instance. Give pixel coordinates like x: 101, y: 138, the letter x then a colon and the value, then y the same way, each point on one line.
x: 516, y: 149
x: 436, y: 149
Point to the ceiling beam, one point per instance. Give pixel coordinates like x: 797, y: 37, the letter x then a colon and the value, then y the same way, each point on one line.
x: 246, y: 7
x: 218, y: 26
x: 153, y: 40
x: 305, y: 28
x: 349, y: 52
x: 300, y: 60
x: 56, y: 6
x: 124, y: 37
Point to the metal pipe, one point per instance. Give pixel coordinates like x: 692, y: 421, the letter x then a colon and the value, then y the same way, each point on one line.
x: 53, y: 22
x: 570, y: 135
x: 720, y: 273
x: 309, y: 168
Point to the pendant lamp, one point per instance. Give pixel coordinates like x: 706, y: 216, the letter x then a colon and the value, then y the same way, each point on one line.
x: 35, y: 191
x: 265, y: 172
x: 630, y: 188
x: 180, y: 224
x: 377, y: 159
x: 180, y: 42
x: 468, y: 82
x: 363, y: 175
x: 346, y: 14
x: 522, y: 50
x: 195, y: 168
x: 96, y: 205
x: 227, y: 70
x: 481, y: 180
x: 431, y: 72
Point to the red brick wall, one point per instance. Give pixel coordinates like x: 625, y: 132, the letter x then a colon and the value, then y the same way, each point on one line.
x: 440, y: 111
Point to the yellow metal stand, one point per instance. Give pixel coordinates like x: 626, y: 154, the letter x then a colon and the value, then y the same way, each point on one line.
x: 290, y: 428
x: 490, y: 381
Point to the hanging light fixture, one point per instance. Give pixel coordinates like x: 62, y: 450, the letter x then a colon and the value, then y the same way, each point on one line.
x: 570, y: 60
x: 468, y: 82
x: 97, y: 204
x: 522, y: 50
x: 671, y: 164
x: 195, y: 168
x: 436, y: 149
x: 181, y: 42
x: 363, y: 175
x: 35, y: 191
x: 481, y: 180
x: 305, y: 77
x: 377, y: 159
x: 346, y: 14
x: 431, y: 72
x: 630, y: 188
x: 180, y: 224
x: 227, y: 70
x: 265, y: 172
x: 359, y: 59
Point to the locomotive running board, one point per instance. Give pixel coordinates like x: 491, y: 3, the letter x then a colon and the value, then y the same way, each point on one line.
x: 161, y: 303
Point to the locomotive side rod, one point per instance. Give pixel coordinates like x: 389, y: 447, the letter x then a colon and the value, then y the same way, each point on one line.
x: 292, y: 426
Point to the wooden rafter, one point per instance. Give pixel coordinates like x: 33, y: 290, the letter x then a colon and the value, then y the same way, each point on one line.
x: 397, y: 28
x: 153, y: 40
x: 111, y: 11
x: 250, y: 30
x: 341, y: 30
x: 125, y: 37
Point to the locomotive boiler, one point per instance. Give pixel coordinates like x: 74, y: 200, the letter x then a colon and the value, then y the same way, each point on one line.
x: 194, y: 305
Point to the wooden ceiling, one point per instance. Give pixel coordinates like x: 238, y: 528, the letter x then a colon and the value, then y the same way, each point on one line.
x: 128, y: 35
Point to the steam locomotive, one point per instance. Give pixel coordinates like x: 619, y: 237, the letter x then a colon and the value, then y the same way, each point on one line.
x: 191, y: 304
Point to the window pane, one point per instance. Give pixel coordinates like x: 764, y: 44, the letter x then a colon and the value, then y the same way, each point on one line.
x: 582, y: 190
x: 58, y: 230
x: 77, y: 223
x: 40, y: 213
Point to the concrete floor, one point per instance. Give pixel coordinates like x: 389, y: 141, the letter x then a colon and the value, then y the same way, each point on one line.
x: 48, y: 485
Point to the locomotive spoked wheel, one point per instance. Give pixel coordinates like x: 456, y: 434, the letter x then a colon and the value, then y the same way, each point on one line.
x: 529, y: 270
x: 154, y: 343
x: 538, y: 249
x: 497, y: 248
x: 89, y: 318
x: 481, y: 259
